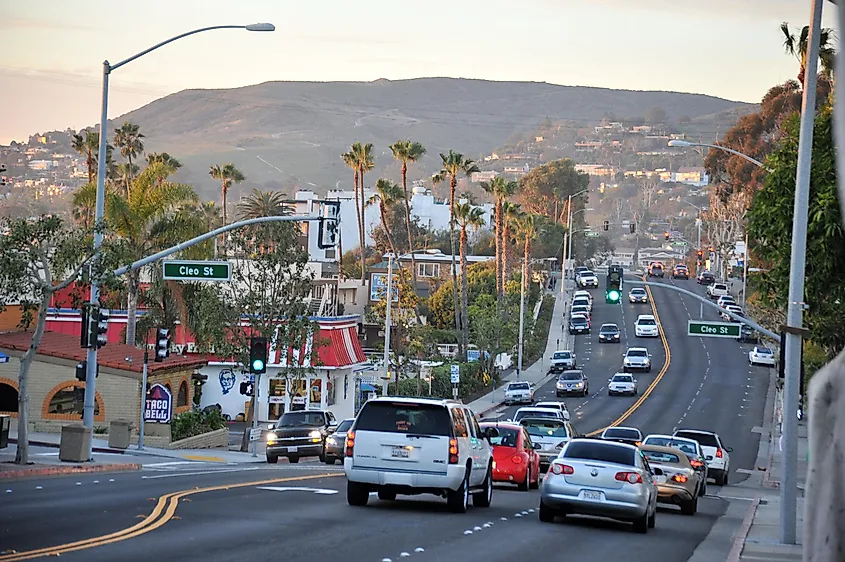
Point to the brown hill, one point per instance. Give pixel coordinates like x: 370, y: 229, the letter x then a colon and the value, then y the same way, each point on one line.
x: 284, y: 134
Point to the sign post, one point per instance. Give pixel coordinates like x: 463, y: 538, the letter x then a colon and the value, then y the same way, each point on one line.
x: 713, y: 329
x: 455, y: 372
x: 190, y: 270
x: 143, y: 399
x: 159, y: 405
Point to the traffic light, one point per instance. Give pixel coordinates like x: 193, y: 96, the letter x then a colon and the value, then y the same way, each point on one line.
x: 633, y: 227
x: 162, y: 349
x: 666, y: 235
x: 258, y: 355
x: 82, y: 371
x: 98, y: 327
x: 613, y: 294
x: 606, y: 225
x: 329, y: 230
x: 246, y: 388
x: 85, y: 330
x: 711, y: 249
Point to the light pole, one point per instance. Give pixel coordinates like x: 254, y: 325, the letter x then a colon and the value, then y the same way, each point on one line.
x: 677, y: 143
x: 525, y: 265
x: 568, y: 255
x: 91, y: 374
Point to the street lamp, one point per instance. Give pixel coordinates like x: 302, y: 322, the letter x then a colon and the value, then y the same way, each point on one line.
x: 568, y: 255
x: 677, y: 143
x: 91, y: 375
x: 525, y: 265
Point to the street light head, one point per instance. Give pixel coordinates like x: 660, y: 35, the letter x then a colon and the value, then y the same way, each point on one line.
x: 261, y: 27
x: 677, y: 143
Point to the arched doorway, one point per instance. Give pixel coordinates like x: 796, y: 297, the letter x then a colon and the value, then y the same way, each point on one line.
x: 8, y: 397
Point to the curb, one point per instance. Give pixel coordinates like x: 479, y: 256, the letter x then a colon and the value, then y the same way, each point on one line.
x: 60, y: 470
x: 14, y: 440
x: 742, y: 534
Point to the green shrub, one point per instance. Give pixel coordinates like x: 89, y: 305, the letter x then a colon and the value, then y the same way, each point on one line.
x: 195, y: 422
x: 535, y: 345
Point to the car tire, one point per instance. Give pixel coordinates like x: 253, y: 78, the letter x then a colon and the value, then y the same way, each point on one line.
x: 641, y: 524
x: 272, y: 459
x: 322, y: 457
x: 293, y: 460
x: 357, y: 494
x: 485, y: 497
x: 652, y: 521
x: 648, y: 370
x: 703, y: 489
x: 332, y: 460
x: 689, y: 507
x: 526, y: 484
x: 586, y: 392
x: 546, y: 513
x: 536, y: 484
x: 386, y: 495
x: 458, y: 500
x: 723, y: 478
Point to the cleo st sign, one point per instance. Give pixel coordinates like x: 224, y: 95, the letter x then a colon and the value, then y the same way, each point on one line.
x: 188, y: 270
x: 158, y: 407
x: 713, y: 329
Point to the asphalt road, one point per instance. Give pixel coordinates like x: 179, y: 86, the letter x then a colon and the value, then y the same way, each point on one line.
x: 224, y: 512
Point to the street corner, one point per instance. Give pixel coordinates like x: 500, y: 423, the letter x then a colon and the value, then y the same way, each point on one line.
x: 12, y: 471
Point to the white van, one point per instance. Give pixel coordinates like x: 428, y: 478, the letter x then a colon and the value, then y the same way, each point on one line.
x: 415, y: 446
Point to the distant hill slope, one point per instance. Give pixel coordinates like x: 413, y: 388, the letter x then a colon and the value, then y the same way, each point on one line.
x: 285, y: 133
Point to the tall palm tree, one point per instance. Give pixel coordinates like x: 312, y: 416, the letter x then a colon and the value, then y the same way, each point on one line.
x: 501, y: 190
x: 364, y: 158
x: 228, y: 175
x: 454, y: 164
x: 130, y: 141
x: 511, y: 213
x: 387, y: 195
x: 351, y: 160
x: 263, y: 204
x: 467, y: 216
x: 168, y: 165
x: 87, y: 143
x: 799, y: 45
x: 407, y: 151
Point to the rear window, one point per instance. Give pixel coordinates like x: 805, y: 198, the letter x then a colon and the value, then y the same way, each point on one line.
x: 546, y: 429
x: 656, y: 456
x: 344, y: 426
x: 579, y: 320
x: 705, y: 439
x: 507, y: 437
x: 519, y: 386
x: 536, y: 414
x: 617, y: 433
x: 399, y: 417
x: 687, y: 447
x: 597, y: 451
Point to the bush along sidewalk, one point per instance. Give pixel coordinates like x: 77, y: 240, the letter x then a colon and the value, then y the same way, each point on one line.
x: 535, y: 345
x: 195, y: 422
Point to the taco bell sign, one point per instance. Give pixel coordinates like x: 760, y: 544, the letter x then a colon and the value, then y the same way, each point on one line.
x: 159, y: 405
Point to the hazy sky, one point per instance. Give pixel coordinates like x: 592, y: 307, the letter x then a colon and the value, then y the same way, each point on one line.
x: 50, y: 63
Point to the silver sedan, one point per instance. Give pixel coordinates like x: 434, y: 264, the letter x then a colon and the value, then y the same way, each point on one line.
x: 602, y: 479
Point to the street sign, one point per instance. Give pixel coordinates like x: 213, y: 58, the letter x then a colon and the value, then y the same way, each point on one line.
x: 713, y: 329
x: 455, y: 371
x: 189, y: 270
x: 158, y: 406
x: 255, y: 434
x: 591, y: 234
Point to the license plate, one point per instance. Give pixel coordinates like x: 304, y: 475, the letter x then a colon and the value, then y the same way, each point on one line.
x: 400, y: 453
x: 293, y: 449
x: 592, y: 495
x: 659, y: 479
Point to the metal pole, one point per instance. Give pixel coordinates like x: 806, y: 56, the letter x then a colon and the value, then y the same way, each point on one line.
x: 389, y: 305
x: 745, y: 269
x: 91, y: 375
x: 571, y: 233
x: 700, y: 305
x: 253, y: 442
x: 143, y: 400
x: 521, y: 319
x: 795, y: 304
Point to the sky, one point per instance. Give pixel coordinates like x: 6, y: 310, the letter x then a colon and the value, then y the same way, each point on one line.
x: 51, y: 59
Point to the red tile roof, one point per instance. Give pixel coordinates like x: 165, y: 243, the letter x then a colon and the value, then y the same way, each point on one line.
x: 113, y: 355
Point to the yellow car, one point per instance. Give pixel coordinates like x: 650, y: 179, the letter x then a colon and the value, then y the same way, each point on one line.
x: 678, y: 485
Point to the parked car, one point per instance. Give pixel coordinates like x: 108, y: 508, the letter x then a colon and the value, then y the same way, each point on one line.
x: 748, y: 334
x: 516, y: 458
x: 731, y: 308
x: 579, y: 324
x: 299, y: 434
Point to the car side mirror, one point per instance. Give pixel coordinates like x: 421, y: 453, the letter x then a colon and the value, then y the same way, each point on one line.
x: 657, y: 471
x: 271, y: 426
x: 537, y: 446
x: 491, y: 433
x: 729, y: 449
x: 332, y: 427
x: 609, y: 380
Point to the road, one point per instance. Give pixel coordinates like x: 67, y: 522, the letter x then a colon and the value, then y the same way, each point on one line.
x: 211, y: 512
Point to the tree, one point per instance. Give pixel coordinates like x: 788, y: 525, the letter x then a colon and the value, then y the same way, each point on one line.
x: 407, y: 151
x: 38, y: 258
x: 798, y: 46
x: 656, y: 116
x: 130, y: 141
x: 770, y: 223
x: 724, y: 220
x: 87, y: 143
x: 263, y: 204
x: 501, y: 190
x: 467, y: 216
x: 168, y: 165
x: 454, y: 164
x: 350, y: 159
x: 543, y: 189
x: 490, y: 331
x: 387, y: 195
x: 481, y: 280
x: 228, y: 175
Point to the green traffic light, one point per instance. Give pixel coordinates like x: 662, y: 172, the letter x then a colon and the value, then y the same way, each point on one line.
x: 613, y: 296
x: 257, y: 365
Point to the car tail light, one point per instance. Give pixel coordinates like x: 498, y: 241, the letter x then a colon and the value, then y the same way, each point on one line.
x: 562, y: 469
x: 629, y: 477
x: 453, y: 451
x: 679, y: 478
x: 517, y: 459
x: 696, y: 464
x: 350, y: 443
x: 719, y: 453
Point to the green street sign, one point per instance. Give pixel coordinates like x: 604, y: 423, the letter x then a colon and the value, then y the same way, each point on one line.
x: 189, y: 270
x: 592, y: 234
x: 713, y: 329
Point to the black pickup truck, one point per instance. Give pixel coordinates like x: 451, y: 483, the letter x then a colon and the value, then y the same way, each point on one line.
x: 300, y: 434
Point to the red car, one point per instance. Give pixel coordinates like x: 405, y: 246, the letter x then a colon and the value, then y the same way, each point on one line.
x: 515, y: 459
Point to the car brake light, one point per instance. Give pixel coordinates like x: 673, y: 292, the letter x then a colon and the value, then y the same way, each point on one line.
x: 629, y: 477
x: 697, y: 464
x: 453, y: 451
x: 350, y: 443
x: 517, y: 459
x: 719, y: 453
x: 679, y: 478
x: 562, y: 469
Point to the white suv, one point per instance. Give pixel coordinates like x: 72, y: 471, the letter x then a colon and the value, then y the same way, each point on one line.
x: 646, y: 327
x: 636, y: 358
x: 418, y: 446
x: 715, y: 453
x: 717, y: 290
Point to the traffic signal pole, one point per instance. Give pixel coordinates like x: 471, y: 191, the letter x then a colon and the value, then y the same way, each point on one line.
x: 143, y: 400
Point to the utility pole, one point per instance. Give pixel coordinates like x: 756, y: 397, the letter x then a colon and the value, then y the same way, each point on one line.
x: 143, y: 399
x: 254, y: 442
x: 521, y: 318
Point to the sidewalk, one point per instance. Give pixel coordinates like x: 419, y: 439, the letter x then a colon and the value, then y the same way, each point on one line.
x: 538, y: 372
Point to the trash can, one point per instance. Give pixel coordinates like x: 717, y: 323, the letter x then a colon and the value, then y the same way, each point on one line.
x: 5, y: 424
x: 120, y: 432
x: 75, y: 443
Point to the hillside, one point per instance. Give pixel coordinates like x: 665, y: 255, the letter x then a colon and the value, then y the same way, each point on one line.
x: 283, y: 134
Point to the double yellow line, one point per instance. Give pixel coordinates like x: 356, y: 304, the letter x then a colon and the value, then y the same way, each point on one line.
x: 163, y: 512
x: 653, y: 384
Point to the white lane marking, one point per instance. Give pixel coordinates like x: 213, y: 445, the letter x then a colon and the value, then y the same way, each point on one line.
x: 318, y: 491
x: 179, y: 474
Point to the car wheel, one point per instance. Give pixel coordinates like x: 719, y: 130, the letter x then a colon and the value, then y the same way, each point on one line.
x: 386, y: 495
x: 293, y: 460
x: 723, y: 478
x: 526, y: 484
x: 485, y: 497
x: 703, y: 489
x: 586, y: 392
x: 459, y: 499
x: 689, y: 507
x: 329, y: 460
x: 546, y: 513
x: 536, y: 484
x: 641, y: 524
x: 357, y: 494
x: 652, y: 521
x: 272, y: 459
x: 322, y: 457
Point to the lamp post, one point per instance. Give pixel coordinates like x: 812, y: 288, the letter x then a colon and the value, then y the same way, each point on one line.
x: 525, y: 265
x: 91, y: 374
x: 569, y: 228
x: 677, y: 143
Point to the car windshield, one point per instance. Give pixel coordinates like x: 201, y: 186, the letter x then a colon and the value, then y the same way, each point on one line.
x: 519, y: 386
x: 587, y: 273
x: 344, y: 426
x: 536, y: 414
x: 637, y: 353
x: 574, y: 376
x: 404, y: 417
x: 598, y: 451
x: 647, y: 322
x: 687, y: 447
x: 507, y: 436
x: 705, y: 439
x: 660, y: 456
x: 549, y: 428
x: 581, y: 302
x: 562, y: 355
x: 764, y: 351
x: 621, y: 433
x: 637, y: 291
x: 610, y: 328
x: 299, y: 419
x: 622, y: 378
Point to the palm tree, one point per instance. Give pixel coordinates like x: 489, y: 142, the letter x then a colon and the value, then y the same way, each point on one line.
x: 88, y: 145
x: 467, y: 216
x: 168, y: 165
x: 798, y: 47
x: 263, y: 204
x: 210, y: 219
x: 511, y: 213
x: 407, y: 151
x: 528, y: 225
x: 454, y: 164
x: 228, y: 175
x: 387, y: 194
x: 130, y: 141
x: 350, y: 159
x: 364, y: 158
x: 501, y: 191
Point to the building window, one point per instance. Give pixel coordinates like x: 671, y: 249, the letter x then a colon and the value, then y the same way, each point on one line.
x: 182, y: 397
x: 8, y: 398
x: 428, y: 270
x: 69, y: 401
